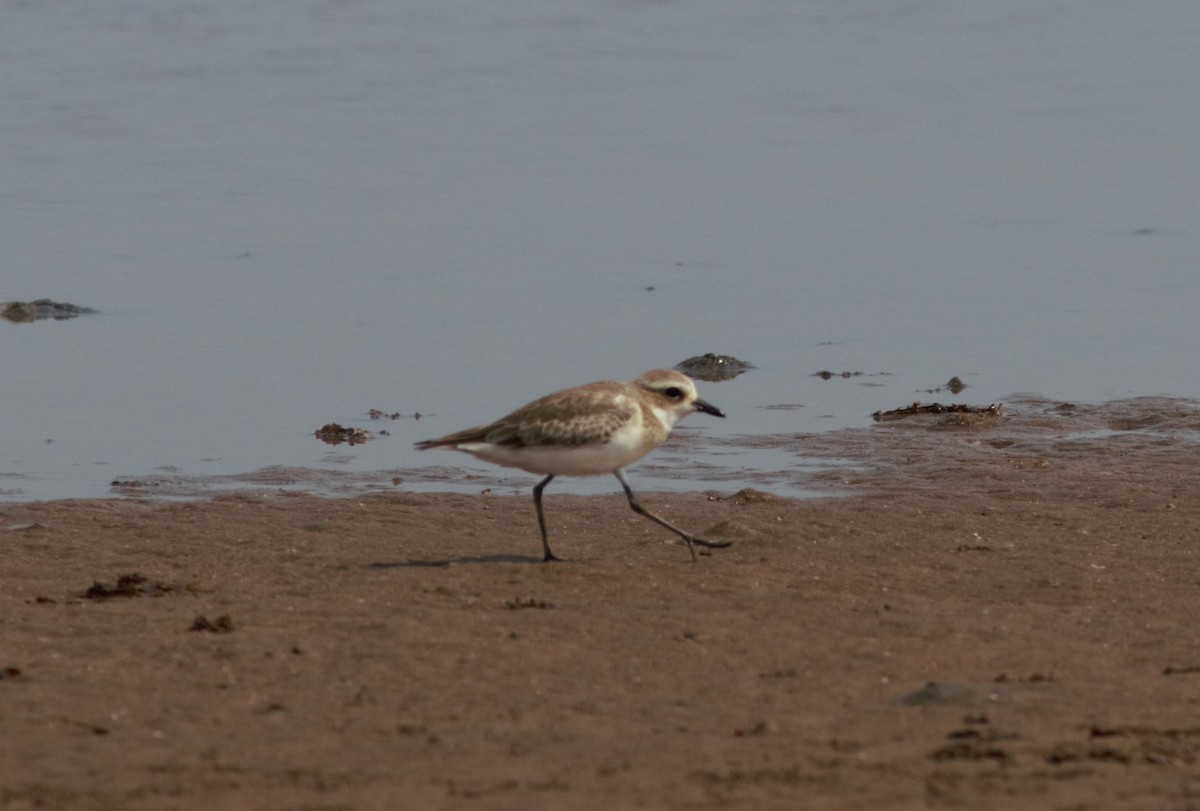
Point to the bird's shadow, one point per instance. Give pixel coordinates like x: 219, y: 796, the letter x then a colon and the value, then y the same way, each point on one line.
x: 428, y: 563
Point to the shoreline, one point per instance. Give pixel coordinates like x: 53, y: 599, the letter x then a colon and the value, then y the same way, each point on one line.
x: 993, y: 613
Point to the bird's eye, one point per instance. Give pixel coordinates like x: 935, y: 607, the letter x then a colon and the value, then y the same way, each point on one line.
x: 673, y: 392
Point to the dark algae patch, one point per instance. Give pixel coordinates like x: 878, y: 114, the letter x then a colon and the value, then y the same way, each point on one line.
x: 128, y: 585
x: 712, y: 367
x: 26, y: 312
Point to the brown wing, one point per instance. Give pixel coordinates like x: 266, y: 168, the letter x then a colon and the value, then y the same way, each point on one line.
x: 583, y: 416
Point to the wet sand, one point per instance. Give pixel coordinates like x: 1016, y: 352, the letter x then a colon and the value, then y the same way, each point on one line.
x: 990, y: 613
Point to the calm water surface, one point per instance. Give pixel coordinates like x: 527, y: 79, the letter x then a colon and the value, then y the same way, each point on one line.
x: 288, y: 214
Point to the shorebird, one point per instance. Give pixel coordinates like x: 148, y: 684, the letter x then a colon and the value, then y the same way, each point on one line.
x: 587, y: 431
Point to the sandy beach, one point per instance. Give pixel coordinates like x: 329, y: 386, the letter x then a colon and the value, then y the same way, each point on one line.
x: 985, y: 612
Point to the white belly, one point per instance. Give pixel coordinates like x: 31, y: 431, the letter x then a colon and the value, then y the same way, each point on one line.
x: 586, y: 460
x: 623, y: 448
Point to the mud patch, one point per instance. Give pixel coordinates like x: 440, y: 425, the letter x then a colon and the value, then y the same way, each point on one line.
x: 221, y: 625
x: 128, y: 585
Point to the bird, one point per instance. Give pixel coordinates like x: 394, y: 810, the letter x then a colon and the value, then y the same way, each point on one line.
x: 588, y: 430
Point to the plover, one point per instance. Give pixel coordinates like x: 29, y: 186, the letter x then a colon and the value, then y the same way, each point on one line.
x: 586, y: 431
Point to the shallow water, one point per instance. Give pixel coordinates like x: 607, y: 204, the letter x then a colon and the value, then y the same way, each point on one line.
x: 290, y: 217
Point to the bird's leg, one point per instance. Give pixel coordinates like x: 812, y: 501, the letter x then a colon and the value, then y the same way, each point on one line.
x: 692, y: 540
x: 537, y: 502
